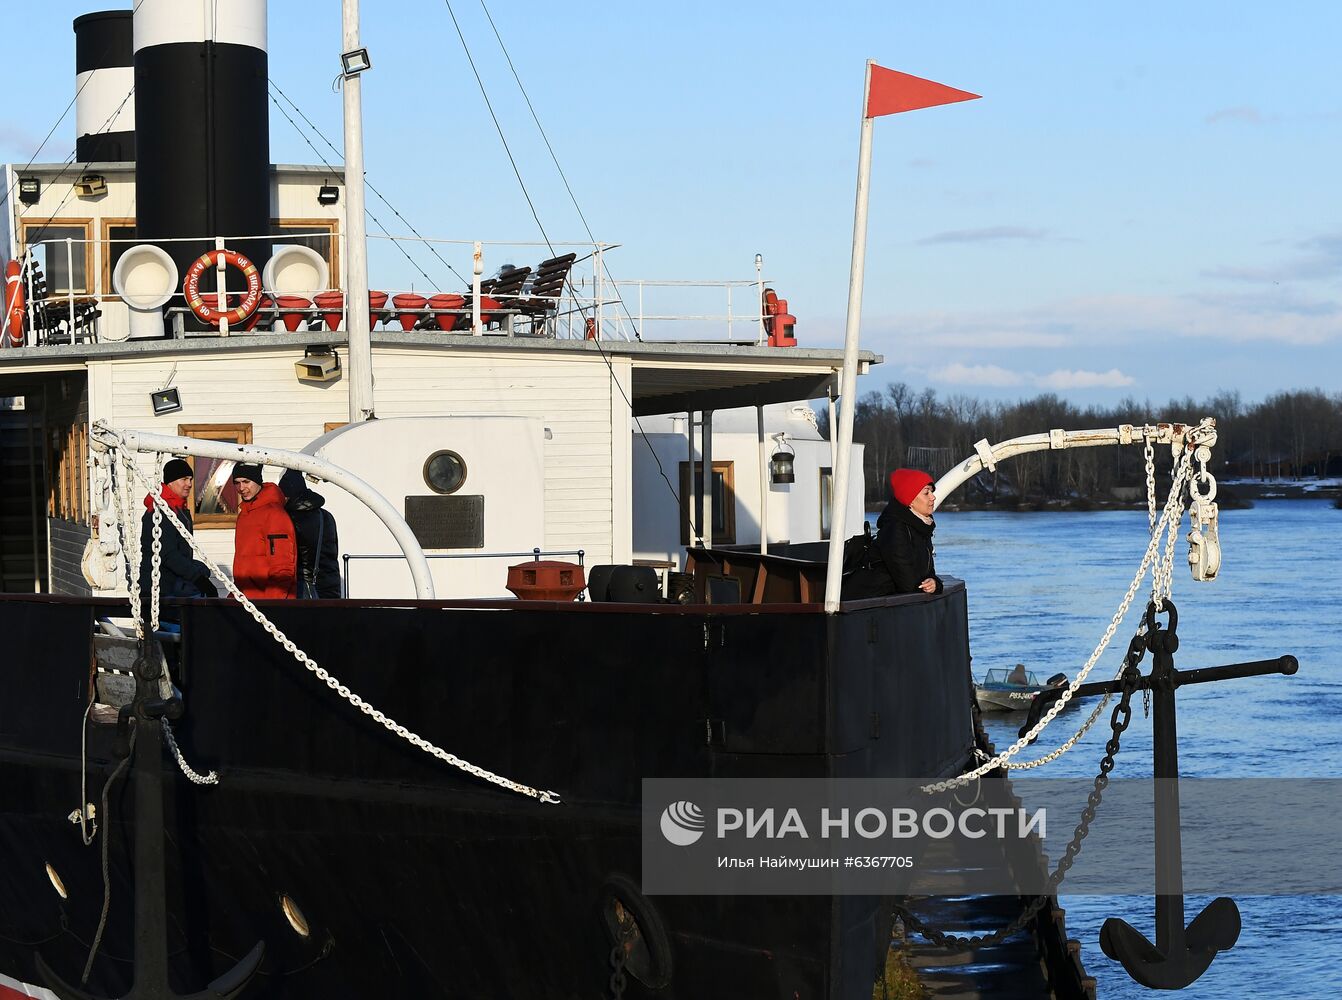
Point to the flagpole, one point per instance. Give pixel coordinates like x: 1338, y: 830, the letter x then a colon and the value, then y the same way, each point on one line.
x: 848, y: 377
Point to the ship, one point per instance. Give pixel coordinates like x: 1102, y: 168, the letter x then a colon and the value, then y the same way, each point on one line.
x: 429, y: 787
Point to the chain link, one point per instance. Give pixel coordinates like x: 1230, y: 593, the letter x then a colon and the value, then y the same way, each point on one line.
x: 1149, y: 453
x: 132, y: 551
x: 1173, y: 505
x: 333, y: 682
x: 618, y: 979
x: 1119, y: 720
x: 1169, y: 521
x: 195, y: 776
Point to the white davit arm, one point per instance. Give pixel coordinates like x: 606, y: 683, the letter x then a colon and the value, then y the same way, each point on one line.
x: 143, y: 441
x: 986, y: 456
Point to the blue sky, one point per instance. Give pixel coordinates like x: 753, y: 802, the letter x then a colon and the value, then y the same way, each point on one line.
x: 1144, y: 202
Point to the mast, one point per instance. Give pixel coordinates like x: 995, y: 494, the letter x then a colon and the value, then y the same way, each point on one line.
x: 848, y: 376
x: 356, y: 235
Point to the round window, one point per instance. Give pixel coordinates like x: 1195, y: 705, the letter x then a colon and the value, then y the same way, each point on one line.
x: 445, y: 472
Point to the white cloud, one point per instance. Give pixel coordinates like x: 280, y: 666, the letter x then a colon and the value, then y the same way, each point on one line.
x: 1243, y: 113
x: 998, y: 377
x: 1068, y: 379
x: 958, y: 374
x: 986, y: 234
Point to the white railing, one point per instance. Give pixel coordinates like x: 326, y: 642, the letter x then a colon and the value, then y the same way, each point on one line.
x: 590, y: 305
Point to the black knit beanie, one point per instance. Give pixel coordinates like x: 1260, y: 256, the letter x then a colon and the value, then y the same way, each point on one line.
x: 176, y: 469
x: 252, y: 472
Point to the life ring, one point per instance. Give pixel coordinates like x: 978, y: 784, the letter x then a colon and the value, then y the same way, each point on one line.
x: 14, y: 303
x: 197, y: 301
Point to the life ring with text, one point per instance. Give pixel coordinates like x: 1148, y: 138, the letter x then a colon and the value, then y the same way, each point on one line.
x: 14, y: 304
x: 200, y: 303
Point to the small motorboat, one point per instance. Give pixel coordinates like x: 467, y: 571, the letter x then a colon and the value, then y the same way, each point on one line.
x: 1003, y: 690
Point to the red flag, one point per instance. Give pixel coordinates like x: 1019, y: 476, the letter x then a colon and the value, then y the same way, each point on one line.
x: 891, y: 92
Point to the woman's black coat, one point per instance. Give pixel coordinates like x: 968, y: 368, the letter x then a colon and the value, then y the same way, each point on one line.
x: 900, y: 558
x: 318, y: 546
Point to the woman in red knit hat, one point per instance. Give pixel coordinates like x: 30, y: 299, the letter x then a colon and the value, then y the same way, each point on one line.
x: 901, y: 560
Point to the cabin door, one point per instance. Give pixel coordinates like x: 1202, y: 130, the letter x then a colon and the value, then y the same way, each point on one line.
x: 44, y: 482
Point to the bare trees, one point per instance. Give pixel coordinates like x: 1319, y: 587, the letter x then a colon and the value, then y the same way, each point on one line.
x: 1296, y: 433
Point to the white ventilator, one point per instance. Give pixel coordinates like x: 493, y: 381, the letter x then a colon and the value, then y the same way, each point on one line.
x: 146, y: 279
x: 294, y: 269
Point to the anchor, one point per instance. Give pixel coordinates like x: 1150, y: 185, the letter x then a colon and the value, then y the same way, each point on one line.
x: 151, y: 911
x: 1180, y: 954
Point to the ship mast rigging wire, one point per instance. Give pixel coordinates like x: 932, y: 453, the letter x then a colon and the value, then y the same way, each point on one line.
x: 57, y: 124
x: 596, y: 340
x: 376, y: 221
x: 53, y: 216
x: 614, y: 381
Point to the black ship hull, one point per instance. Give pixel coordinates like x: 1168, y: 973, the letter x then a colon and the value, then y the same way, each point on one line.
x: 416, y: 880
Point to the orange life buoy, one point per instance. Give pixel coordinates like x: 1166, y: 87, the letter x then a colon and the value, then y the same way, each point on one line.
x: 14, y: 304
x: 198, y: 302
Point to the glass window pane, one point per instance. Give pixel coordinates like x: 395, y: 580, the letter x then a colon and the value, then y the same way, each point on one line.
x: 54, y: 258
x: 826, y: 500
x: 214, y: 489
x: 315, y: 237
x: 719, y: 502
x: 115, y: 249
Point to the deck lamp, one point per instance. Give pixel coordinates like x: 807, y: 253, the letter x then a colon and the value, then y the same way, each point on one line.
x: 91, y: 186
x: 30, y: 190
x: 319, y: 364
x: 781, y: 464
x: 165, y: 401
x: 355, y: 62
x: 328, y: 194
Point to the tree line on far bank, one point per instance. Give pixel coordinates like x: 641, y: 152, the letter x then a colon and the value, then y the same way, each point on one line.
x: 1288, y: 435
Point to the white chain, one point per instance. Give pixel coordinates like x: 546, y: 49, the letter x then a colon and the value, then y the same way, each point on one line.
x: 1170, y: 517
x: 332, y: 682
x: 196, y: 777
x: 132, y: 525
x: 1149, y: 453
x: 156, y: 558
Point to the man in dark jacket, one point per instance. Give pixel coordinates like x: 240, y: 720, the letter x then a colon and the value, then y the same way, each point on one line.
x: 900, y: 560
x: 318, y: 546
x: 180, y: 574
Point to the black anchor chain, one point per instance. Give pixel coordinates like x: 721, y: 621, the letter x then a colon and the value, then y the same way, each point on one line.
x: 618, y: 979
x: 1119, y: 721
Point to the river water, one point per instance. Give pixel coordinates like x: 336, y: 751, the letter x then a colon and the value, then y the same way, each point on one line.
x: 1042, y: 588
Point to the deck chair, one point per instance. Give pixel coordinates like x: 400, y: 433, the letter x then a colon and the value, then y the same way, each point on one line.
x: 543, y: 295
x: 505, y: 288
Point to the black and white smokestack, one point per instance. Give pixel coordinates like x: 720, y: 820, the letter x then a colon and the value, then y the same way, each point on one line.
x: 104, y: 78
x: 202, y: 127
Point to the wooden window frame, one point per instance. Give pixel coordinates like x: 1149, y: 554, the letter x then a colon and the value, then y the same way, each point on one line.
x: 67, y: 468
x: 237, y: 433
x: 728, y: 534
x: 105, y: 251
x: 26, y: 223
x: 331, y: 425
x: 330, y: 225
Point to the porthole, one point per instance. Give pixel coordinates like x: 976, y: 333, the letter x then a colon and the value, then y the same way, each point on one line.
x: 445, y: 472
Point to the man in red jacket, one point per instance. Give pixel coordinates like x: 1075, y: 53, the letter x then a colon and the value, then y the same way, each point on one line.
x: 265, y: 555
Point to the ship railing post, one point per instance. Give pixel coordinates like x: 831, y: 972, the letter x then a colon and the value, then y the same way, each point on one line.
x: 477, y: 269
x: 762, y: 337
x: 706, y: 483
x: 600, y: 290
x: 764, y: 479
x: 70, y: 285
x: 221, y: 291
